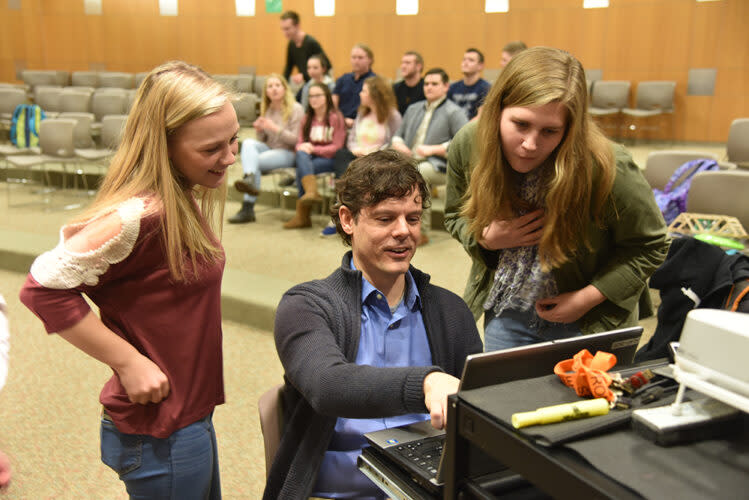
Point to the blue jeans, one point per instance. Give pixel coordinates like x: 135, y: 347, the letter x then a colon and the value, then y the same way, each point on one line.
x: 307, y: 164
x: 257, y: 158
x: 512, y: 329
x: 182, y: 466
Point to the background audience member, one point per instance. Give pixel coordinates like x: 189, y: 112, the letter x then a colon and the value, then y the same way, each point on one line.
x: 372, y: 346
x: 376, y: 123
x: 411, y: 88
x: 276, y: 130
x: 300, y: 48
x: 317, y: 69
x: 348, y: 86
x: 151, y: 234
x: 427, y: 129
x: 510, y: 50
x: 5, y: 470
x: 374, y: 127
x: 561, y: 225
x: 469, y: 93
x: 322, y: 133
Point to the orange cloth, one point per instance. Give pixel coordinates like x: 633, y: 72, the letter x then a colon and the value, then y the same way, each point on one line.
x: 587, y: 374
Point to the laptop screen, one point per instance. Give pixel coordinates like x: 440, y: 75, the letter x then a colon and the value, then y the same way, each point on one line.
x: 536, y: 360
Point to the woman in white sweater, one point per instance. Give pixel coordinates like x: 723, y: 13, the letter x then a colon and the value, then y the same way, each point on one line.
x: 277, y: 129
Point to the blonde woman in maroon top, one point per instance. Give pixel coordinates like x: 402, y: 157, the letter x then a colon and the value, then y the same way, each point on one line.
x: 148, y: 255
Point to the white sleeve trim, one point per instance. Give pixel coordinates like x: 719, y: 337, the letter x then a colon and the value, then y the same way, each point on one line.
x: 62, y: 269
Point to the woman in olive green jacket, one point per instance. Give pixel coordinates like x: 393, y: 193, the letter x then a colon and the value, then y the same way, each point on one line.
x: 561, y: 225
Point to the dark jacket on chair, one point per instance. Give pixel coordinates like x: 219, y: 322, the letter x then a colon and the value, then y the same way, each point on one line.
x: 699, y: 269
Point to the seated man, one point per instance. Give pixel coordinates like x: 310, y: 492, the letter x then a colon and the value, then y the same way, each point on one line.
x: 374, y: 345
x: 427, y: 129
x: 347, y: 87
x: 469, y: 93
x: 411, y: 88
x: 511, y: 50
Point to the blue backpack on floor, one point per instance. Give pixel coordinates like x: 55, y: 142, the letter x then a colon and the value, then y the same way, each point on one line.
x: 673, y: 199
x: 24, y: 126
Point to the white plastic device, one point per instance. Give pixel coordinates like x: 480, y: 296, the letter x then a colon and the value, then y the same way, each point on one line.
x: 712, y: 357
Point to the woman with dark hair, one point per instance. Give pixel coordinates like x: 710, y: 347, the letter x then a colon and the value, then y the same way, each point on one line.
x: 317, y: 69
x: 561, y: 225
x: 322, y: 133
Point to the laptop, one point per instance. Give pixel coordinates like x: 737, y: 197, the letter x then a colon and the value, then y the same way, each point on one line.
x: 418, y: 448
x: 536, y: 360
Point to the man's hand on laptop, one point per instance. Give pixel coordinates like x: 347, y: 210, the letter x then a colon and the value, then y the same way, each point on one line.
x: 437, y: 386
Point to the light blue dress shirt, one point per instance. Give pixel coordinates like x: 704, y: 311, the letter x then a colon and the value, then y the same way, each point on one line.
x: 387, y: 340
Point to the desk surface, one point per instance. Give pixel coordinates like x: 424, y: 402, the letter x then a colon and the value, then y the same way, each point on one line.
x: 707, y: 469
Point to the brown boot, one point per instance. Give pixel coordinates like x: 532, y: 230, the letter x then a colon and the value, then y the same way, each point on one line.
x: 301, y: 218
x: 309, y: 183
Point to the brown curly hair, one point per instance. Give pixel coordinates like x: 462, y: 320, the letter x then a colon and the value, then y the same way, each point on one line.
x: 374, y: 178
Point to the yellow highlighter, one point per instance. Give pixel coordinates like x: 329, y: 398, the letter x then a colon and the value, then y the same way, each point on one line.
x: 560, y: 413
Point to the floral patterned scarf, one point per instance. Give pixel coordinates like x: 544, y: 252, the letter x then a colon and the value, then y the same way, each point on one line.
x: 519, y: 280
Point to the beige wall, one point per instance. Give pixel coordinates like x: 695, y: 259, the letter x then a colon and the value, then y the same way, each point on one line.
x: 633, y: 40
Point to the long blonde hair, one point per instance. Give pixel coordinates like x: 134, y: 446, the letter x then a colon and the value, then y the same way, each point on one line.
x: 170, y: 96
x: 288, y: 98
x: 584, y: 167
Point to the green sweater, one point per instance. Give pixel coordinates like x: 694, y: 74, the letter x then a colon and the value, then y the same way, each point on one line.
x: 622, y: 257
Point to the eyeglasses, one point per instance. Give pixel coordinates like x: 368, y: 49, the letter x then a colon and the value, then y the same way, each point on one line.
x: 316, y: 95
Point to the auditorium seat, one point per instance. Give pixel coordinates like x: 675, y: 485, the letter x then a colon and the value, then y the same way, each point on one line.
x: 117, y: 80
x: 84, y: 79
x: 721, y: 192
x: 660, y: 165
x: 737, y: 147
x: 607, y: 99
x: 654, y: 100
x: 10, y: 97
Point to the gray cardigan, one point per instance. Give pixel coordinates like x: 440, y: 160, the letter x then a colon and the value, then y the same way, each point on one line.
x: 317, y: 330
x: 446, y: 120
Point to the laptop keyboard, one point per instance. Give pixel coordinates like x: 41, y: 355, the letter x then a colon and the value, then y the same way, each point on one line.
x: 424, y: 453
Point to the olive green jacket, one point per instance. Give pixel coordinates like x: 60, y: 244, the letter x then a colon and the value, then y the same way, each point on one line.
x: 623, y: 254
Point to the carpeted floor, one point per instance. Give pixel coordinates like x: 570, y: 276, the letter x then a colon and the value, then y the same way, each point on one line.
x: 49, y: 411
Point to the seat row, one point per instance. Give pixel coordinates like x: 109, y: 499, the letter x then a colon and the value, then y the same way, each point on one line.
x: 101, y: 102
x: 245, y: 83
x: 611, y: 98
x: 63, y: 141
x: 719, y: 192
x: 661, y: 164
x: 54, y: 100
x: 60, y: 91
x: 96, y: 79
